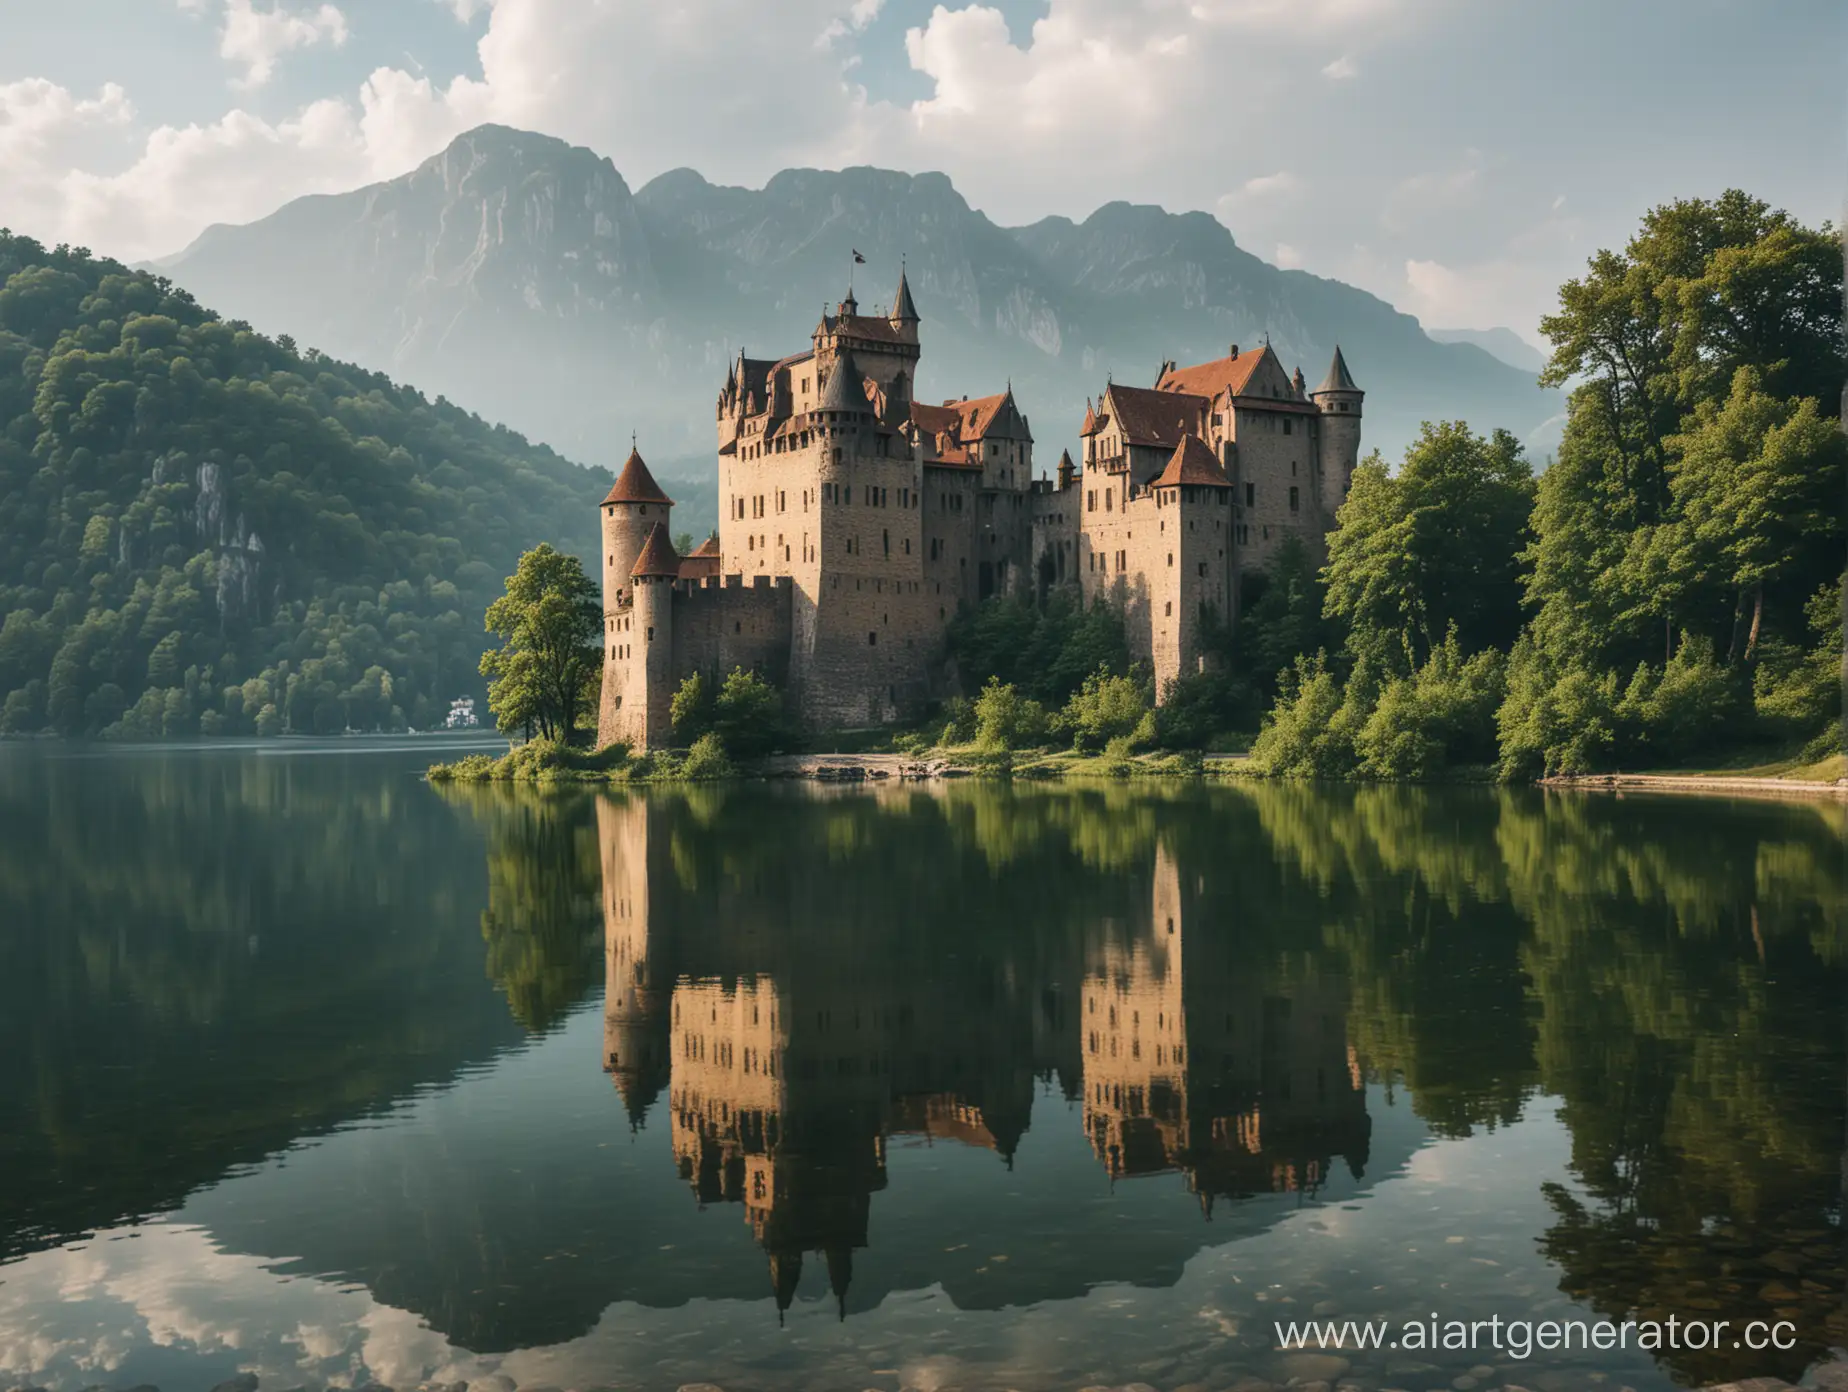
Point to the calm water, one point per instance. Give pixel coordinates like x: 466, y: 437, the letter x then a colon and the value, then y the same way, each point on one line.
x: 310, y: 1069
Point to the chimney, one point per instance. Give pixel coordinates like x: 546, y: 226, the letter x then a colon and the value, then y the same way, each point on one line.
x: 1234, y: 353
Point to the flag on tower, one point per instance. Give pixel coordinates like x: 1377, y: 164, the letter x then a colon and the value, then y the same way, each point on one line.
x: 858, y: 259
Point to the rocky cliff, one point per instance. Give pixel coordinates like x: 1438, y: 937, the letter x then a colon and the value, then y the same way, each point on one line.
x: 522, y: 277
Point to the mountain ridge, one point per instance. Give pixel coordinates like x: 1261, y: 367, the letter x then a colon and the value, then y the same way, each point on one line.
x: 526, y: 278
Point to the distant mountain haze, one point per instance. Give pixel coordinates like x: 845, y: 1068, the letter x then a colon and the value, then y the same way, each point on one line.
x: 1505, y: 344
x: 522, y: 278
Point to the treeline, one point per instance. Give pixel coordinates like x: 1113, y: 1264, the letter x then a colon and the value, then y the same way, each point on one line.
x: 204, y: 530
x: 1669, y: 587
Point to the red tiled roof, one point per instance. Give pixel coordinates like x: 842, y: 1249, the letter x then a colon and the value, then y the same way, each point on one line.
x: 933, y: 419
x: 1090, y: 421
x: 658, y: 555
x: 708, y: 547
x: 976, y: 416
x: 1153, y: 417
x: 1208, y: 379
x: 698, y: 567
x: 1194, y: 465
x: 635, y: 484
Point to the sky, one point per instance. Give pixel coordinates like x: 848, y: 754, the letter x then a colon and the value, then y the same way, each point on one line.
x: 1458, y: 158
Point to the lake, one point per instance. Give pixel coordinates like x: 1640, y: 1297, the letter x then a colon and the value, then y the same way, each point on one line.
x: 312, y: 1070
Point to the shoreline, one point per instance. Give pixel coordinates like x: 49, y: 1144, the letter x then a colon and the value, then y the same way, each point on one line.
x: 1699, y: 784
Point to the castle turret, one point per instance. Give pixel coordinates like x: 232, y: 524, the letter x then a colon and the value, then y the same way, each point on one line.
x: 1338, y: 445
x: 631, y: 509
x: 651, y: 723
x: 904, y: 310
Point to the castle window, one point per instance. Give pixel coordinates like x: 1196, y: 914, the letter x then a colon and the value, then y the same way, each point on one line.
x: 1294, y: 496
x: 1108, y: 494
x: 1286, y: 425
x: 650, y: 637
x: 1342, y: 407
x: 1171, y: 559
x: 1090, y: 500
x: 1251, y: 495
x: 1292, y: 468
x: 872, y: 640
x: 1202, y: 570
x: 1168, y: 610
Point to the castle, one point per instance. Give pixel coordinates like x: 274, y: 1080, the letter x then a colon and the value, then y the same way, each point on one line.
x: 855, y: 520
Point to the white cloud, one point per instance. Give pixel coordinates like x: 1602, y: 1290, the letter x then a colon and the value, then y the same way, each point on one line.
x: 1288, y: 257
x: 256, y: 38
x: 1341, y: 69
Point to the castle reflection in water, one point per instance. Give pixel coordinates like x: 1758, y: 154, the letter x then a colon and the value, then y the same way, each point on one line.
x: 788, y: 1059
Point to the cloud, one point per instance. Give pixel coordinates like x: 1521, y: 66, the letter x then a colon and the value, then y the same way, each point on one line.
x: 1340, y: 70
x: 257, y: 38
x: 1288, y: 257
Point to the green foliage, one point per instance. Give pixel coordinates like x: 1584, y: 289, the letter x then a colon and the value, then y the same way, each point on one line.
x: 1697, y: 487
x: 1107, y: 709
x: 1196, y: 708
x: 1047, y: 651
x: 1555, y: 721
x: 1797, y: 691
x: 1440, y: 717
x: 691, y: 709
x: 547, y: 672
x: 1282, y: 619
x: 190, y: 510
x: 746, y: 714
x: 707, y: 759
x: 1393, y: 727
x: 1311, y: 730
x: 1432, y: 547
x: 1005, y: 720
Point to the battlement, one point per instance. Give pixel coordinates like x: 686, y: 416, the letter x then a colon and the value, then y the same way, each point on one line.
x: 734, y: 581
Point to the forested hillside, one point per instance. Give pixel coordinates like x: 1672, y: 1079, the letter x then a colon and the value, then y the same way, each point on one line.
x: 204, y: 530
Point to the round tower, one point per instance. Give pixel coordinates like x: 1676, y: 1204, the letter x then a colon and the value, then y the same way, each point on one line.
x: 1338, y: 444
x: 633, y: 506
x: 652, y: 632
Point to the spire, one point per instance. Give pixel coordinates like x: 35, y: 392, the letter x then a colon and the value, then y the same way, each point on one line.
x: 844, y: 391
x: 1338, y: 378
x: 785, y: 1276
x: 840, y: 1273
x: 635, y: 484
x: 658, y: 555
x: 904, y: 311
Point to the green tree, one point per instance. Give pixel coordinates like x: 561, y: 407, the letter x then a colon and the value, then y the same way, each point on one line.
x: 1432, y: 547
x: 545, y: 674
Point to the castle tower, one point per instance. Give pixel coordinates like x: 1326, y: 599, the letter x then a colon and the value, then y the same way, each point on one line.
x: 630, y: 510
x: 1338, y: 445
x: 648, y: 703
x: 1186, y: 562
x: 635, y: 1015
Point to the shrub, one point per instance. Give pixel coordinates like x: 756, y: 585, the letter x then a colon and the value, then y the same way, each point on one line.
x: 1005, y: 720
x: 691, y: 709
x: 1194, y: 709
x: 707, y: 759
x: 1311, y: 730
x: 958, y: 720
x: 1684, y: 707
x: 748, y: 715
x: 1103, y: 709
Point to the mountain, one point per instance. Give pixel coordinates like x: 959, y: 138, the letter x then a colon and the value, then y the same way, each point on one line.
x: 523, y: 276
x: 1504, y: 344
x: 203, y: 530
